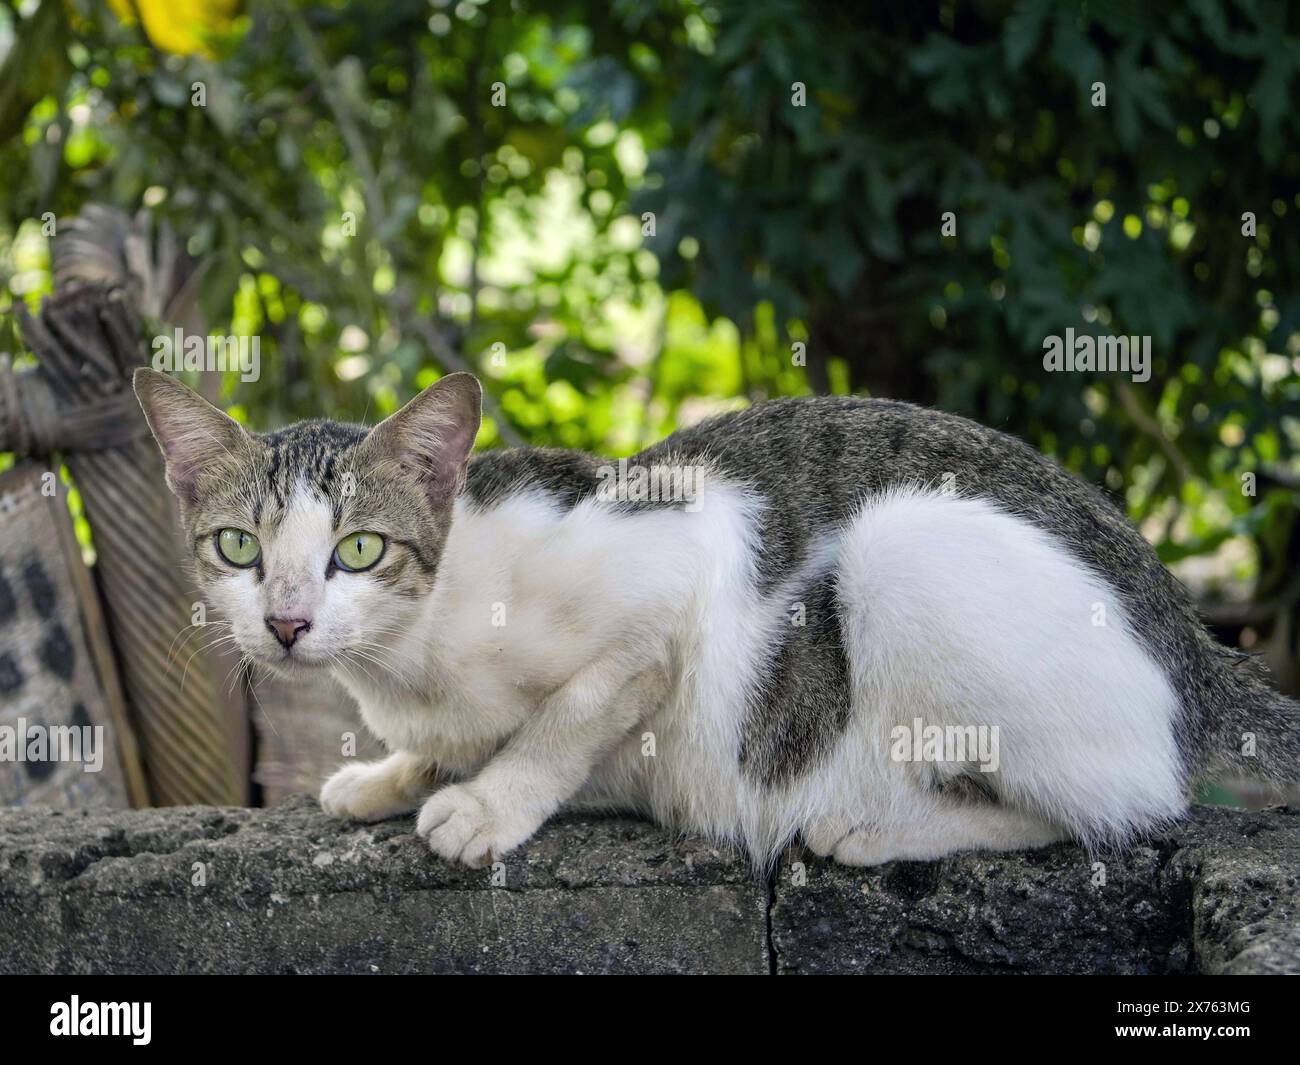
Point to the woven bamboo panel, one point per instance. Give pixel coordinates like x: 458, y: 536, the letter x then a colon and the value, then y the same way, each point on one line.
x: 177, y: 695
x: 56, y: 666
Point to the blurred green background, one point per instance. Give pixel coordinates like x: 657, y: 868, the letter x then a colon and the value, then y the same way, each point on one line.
x: 619, y: 215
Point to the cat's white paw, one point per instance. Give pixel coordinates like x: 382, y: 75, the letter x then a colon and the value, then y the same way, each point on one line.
x: 463, y: 826
x: 366, y: 791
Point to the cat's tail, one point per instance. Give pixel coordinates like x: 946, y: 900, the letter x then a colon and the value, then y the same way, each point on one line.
x: 1250, y: 729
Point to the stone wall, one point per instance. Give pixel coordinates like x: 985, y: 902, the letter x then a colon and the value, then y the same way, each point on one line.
x: 288, y: 889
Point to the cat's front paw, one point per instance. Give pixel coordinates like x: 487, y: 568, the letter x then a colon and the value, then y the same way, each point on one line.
x: 463, y: 826
x: 367, y: 791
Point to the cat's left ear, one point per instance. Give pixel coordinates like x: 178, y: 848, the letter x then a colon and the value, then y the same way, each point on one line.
x: 190, y: 431
x: 433, y: 434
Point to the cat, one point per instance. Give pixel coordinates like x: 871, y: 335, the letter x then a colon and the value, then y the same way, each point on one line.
x: 770, y: 626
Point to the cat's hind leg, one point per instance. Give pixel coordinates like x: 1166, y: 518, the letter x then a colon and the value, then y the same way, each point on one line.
x: 970, y: 625
x: 945, y: 828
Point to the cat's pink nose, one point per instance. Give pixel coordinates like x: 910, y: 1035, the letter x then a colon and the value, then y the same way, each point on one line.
x: 287, y: 629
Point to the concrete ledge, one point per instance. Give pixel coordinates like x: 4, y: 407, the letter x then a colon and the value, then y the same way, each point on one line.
x: 288, y: 889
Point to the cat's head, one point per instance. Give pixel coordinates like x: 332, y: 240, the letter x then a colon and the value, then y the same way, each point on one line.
x: 318, y: 542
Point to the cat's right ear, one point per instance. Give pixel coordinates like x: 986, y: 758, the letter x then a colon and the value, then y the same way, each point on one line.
x: 433, y: 434
x: 189, y: 430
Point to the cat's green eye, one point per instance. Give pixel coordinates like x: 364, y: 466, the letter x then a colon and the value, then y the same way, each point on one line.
x: 359, y: 551
x: 239, y: 548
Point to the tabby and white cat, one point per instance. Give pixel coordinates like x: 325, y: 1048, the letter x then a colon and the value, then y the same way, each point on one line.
x: 529, y: 629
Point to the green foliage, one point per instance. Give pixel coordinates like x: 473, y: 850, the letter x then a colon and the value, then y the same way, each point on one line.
x: 1122, y: 219
x: 516, y: 235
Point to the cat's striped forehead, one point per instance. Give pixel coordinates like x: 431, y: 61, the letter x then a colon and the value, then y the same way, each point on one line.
x: 316, y: 453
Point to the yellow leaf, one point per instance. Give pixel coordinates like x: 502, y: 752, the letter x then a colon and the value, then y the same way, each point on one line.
x: 181, y: 26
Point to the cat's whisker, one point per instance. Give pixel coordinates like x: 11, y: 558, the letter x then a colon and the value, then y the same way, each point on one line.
x: 187, y: 633
x: 236, y: 672
x: 257, y: 702
x: 361, y: 659
x: 204, y: 649
x: 338, y: 661
x: 384, y: 650
x: 217, y: 637
x: 372, y: 645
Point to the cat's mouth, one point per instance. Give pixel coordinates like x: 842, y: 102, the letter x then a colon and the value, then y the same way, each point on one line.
x: 290, y: 660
